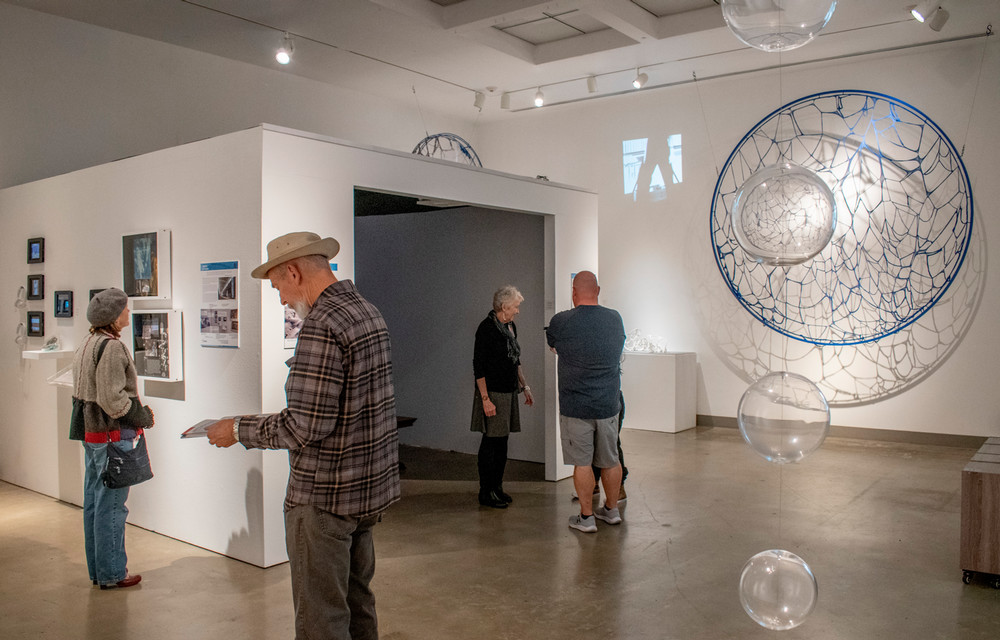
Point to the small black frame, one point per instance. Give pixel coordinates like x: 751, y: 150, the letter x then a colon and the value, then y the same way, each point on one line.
x: 36, y: 287
x: 36, y: 250
x: 63, y: 304
x: 36, y: 324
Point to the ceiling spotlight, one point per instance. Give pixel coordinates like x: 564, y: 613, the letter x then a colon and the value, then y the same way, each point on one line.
x: 284, y: 53
x: 640, y: 80
x: 480, y: 100
x: 592, y: 84
x: 924, y: 10
x: 539, y: 97
x: 505, y: 100
x: 938, y: 18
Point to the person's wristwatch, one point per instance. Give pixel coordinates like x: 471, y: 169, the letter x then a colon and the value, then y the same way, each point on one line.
x: 524, y: 388
x: 236, y: 428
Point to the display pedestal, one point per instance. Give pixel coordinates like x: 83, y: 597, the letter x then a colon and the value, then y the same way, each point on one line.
x: 41, y: 354
x: 980, y: 544
x: 660, y: 391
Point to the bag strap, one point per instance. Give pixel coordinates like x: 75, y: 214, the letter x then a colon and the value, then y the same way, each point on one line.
x: 100, y: 350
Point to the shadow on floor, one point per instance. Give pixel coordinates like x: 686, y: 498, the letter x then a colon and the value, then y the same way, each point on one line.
x: 434, y: 464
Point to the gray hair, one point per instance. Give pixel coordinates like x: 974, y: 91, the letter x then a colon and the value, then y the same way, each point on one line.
x: 505, y: 295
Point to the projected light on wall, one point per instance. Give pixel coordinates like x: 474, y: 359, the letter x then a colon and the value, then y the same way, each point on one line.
x: 650, y: 164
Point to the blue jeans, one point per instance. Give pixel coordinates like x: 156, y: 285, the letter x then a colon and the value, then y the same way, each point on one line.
x: 104, y: 514
x: 332, y: 559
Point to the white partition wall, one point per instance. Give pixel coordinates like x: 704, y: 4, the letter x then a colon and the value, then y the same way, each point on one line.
x: 223, y: 199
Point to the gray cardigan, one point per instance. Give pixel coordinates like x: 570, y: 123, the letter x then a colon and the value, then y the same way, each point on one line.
x: 107, y: 390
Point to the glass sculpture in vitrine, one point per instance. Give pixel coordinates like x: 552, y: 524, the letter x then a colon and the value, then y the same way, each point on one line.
x: 36, y: 324
x: 156, y: 344
x: 64, y: 304
x: 36, y: 250
x: 146, y: 265
x: 36, y: 287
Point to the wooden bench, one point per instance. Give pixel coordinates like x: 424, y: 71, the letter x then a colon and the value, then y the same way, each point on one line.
x: 980, y: 548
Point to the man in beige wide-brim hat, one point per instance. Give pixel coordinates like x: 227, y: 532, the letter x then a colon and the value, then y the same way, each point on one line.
x: 340, y: 429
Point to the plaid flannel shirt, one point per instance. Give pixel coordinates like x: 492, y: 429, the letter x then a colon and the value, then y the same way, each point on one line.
x: 340, y: 423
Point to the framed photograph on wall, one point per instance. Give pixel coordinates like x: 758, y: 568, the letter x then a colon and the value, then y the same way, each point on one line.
x: 36, y: 287
x: 64, y: 304
x: 36, y: 250
x: 36, y: 324
x: 146, y: 265
x: 156, y: 344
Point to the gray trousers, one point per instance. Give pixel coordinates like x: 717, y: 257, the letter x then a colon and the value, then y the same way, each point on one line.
x: 332, y: 560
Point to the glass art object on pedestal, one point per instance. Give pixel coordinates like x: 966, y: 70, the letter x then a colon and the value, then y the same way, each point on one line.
x: 636, y: 342
x: 778, y: 589
x: 777, y: 25
x: 448, y: 146
x: 156, y: 344
x: 783, y: 417
x: 783, y: 214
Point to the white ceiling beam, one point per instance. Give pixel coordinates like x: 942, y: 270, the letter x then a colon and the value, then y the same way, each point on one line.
x: 625, y: 17
x: 688, y: 22
x: 473, y: 15
x: 503, y: 42
x: 596, y: 42
x: 425, y: 10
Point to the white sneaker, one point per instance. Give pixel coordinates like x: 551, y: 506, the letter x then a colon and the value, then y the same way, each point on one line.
x: 611, y: 516
x: 586, y: 525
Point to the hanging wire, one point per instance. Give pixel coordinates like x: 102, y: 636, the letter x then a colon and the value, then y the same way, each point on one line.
x: 419, y: 110
x: 704, y: 121
x: 975, y: 91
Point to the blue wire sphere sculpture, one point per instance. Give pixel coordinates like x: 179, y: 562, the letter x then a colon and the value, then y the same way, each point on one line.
x: 783, y: 214
x: 904, y: 213
x: 777, y: 25
x: 448, y: 146
x: 778, y: 589
x: 783, y: 417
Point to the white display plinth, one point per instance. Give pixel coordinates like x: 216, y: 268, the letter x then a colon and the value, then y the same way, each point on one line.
x: 41, y: 354
x: 660, y: 391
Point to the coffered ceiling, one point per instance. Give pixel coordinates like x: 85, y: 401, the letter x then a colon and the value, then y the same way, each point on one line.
x: 440, y: 52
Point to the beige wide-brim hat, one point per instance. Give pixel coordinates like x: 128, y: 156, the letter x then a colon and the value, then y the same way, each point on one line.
x: 295, y: 245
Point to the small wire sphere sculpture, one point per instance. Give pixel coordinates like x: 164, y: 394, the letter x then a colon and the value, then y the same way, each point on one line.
x: 448, y: 146
x: 904, y: 213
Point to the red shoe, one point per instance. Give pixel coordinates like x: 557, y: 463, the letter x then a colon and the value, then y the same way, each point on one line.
x: 129, y: 581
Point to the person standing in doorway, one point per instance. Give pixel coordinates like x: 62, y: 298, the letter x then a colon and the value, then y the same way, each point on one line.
x: 496, y: 367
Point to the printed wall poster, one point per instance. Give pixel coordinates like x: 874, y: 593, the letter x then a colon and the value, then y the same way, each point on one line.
x: 220, y: 309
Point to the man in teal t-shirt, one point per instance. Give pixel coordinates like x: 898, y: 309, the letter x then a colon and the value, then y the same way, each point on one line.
x: 589, y: 340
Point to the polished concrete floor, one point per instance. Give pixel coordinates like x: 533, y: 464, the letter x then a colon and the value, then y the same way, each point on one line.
x: 878, y: 523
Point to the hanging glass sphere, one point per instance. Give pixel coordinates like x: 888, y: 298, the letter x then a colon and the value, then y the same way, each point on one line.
x: 777, y: 25
x: 783, y: 214
x: 783, y: 417
x: 778, y: 589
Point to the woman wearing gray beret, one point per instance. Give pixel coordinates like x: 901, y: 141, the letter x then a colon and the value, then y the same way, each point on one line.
x: 106, y: 405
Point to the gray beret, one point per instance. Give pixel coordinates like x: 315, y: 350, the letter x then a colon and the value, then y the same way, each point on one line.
x: 106, y: 306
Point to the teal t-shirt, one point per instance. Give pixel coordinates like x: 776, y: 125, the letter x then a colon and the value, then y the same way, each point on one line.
x: 588, y: 340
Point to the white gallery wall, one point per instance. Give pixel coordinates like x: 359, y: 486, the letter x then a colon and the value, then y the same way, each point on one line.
x: 208, y: 195
x: 657, y: 265
x: 223, y: 199
x: 75, y: 95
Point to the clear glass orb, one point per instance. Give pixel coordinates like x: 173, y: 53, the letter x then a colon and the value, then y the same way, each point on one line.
x: 783, y: 417
x: 784, y: 214
x: 778, y: 589
x: 777, y: 25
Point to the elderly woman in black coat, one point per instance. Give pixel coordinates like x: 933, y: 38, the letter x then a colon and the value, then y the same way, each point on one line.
x: 496, y: 366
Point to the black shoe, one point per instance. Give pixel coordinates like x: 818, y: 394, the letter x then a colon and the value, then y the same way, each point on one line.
x: 503, y: 496
x: 491, y: 499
